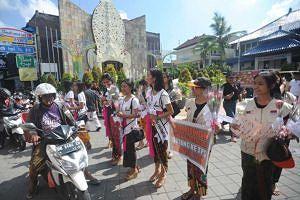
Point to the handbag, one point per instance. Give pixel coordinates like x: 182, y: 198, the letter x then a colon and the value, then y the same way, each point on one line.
x: 135, y: 135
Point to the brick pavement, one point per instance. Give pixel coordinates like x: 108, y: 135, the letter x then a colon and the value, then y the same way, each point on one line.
x: 224, y: 175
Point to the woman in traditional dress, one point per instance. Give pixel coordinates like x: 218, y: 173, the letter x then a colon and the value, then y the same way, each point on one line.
x: 109, y: 101
x: 160, y: 110
x: 258, y: 169
x: 128, y: 112
x: 197, y: 109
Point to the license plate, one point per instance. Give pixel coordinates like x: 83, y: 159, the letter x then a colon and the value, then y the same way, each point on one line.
x: 68, y: 148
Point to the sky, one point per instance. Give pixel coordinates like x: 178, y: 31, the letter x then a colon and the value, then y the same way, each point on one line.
x: 176, y: 20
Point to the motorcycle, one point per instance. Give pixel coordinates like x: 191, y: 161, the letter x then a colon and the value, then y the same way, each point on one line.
x: 66, y: 159
x: 13, y: 130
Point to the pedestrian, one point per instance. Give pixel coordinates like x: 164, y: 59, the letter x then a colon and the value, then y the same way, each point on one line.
x: 257, y: 181
x: 196, y: 110
x: 82, y: 115
x: 110, y: 104
x: 295, y: 85
x: 142, y: 88
x: 160, y: 110
x: 129, y: 113
x: 231, y: 96
x: 69, y: 98
x: 93, y: 123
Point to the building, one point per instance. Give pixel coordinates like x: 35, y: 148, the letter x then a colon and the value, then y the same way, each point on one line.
x: 47, y: 30
x: 269, y: 47
x: 153, y: 49
x: 185, y: 53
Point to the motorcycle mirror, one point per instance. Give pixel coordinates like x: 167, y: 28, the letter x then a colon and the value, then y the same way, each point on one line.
x: 28, y: 126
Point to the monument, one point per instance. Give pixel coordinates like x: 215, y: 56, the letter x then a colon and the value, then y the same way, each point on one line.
x: 102, y: 39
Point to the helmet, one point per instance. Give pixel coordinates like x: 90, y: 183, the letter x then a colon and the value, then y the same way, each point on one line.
x: 45, y: 88
x: 4, y: 93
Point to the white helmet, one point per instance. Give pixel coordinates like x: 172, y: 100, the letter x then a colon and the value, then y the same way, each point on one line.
x: 45, y: 88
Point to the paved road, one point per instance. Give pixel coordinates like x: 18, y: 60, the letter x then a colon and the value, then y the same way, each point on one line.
x: 224, y: 175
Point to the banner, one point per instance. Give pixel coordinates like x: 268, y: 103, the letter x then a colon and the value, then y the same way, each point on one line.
x: 28, y: 74
x: 193, y: 142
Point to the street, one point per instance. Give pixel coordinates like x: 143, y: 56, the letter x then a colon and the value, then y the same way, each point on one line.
x: 224, y: 175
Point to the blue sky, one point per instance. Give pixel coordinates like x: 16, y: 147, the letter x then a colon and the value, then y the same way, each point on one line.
x: 176, y: 20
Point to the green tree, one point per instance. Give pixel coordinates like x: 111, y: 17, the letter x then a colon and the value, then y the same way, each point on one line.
x: 88, y: 77
x: 121, y: 77
x: 75, y: 77
x: 52, y: 80
x: 112, y: 71
x: 206, y: 45
x: 214, y: 74
x: 96, y: 71
x: 67, y: 77
x: 44, y: 78
x: 185, y: 76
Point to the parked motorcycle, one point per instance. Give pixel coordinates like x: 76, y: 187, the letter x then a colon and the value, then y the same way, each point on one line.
x: 66, y: 160
x: 13, y: 130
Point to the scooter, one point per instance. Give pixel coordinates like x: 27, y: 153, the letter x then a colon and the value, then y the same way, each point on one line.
x: 13, y: 130
x: 66, y: 159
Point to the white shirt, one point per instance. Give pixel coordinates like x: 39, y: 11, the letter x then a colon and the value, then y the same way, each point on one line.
x: 69, y: 95
x: 82, y: 99
x: 157, y: 103
x: 295, y: 87
x: 126, y: 108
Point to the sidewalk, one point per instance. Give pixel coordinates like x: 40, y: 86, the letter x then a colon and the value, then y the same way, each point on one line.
x: 224, y: 174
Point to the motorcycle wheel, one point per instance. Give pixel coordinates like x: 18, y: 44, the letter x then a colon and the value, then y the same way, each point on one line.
x: 21, y: 142
x: 72, y: 193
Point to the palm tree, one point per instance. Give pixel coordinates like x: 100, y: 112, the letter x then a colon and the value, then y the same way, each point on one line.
x: 222, y: 35
x: 205, y: 47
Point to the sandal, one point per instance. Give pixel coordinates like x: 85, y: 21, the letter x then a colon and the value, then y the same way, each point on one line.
x: 154, y: 177
x: 131, y: 176
x: 188, y: 195
x: 161, y: 181
x: 276, y: 191
x: 116, y: 162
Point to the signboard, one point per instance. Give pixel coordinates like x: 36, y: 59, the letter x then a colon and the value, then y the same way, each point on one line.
x: 11, y: 32
x: 24, y: 61
x: 193, y: 142
x: 17, y: 49
x: 246, y: 78
x: 28, y: 74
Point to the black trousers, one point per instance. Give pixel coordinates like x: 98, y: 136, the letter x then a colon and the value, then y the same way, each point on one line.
x: 129, y: 159
x: 257, y: 178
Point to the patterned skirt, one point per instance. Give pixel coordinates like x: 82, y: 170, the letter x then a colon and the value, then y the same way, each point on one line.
x: 197, y: 179
x: 115, y: 139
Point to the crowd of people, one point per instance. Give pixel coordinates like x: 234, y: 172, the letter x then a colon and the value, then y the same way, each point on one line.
x: 143, y: 115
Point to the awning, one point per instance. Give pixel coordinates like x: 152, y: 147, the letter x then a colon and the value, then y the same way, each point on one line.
x: 235, y: 60
x: 273, y: 46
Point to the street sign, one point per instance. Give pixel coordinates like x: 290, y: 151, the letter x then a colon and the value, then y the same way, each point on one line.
x: 17, y: 49
x: 24, y: 61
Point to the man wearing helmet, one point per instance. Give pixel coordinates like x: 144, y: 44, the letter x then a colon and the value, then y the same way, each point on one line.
x: 46, y: 115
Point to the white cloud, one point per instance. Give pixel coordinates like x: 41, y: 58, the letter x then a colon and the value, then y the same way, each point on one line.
x: 279, y: 9
x: 123, y: 14
x: 27, y: 8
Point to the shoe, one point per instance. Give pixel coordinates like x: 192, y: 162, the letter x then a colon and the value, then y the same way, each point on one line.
x: 170, y: 155
x: 98, y: 129
x: 116, y: 162
x: 154, y: 177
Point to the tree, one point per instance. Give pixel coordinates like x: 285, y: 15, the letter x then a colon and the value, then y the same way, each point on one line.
x: 112, y: 71
x: 52, y: 80
x: 215, y: 75
x: 185, y: 76
x: 121, y: 77
x: 206, y: 45
x: 87, y: 77
x: 96, y: 71
x: 75, y: 77
x: 67, y: 77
